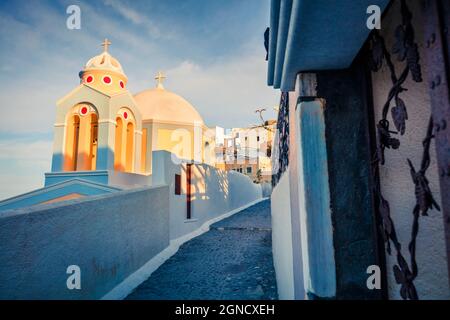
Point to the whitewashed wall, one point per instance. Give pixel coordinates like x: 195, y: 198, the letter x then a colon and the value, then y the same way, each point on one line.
x: 397, y: 186
x: 266, y: 189
x: 214, y: 192
x: 108, y: 236
x: 282, y: 238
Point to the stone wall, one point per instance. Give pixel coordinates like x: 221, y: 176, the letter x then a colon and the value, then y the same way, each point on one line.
x: 108, y: 236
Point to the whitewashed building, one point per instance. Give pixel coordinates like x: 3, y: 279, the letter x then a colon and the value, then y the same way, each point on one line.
x: 362, y: 163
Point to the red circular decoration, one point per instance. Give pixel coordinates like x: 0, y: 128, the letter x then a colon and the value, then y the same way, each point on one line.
x: 125, y: 115
x: 122, y: 85
x: 107, y: 80
x: 84, y: 110
x: 89, y: 79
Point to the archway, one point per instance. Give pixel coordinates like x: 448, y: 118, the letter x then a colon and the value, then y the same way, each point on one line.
x: 118, y: 145
x: 81, y: 138
x: 124, y: 146
x: 130, y: 147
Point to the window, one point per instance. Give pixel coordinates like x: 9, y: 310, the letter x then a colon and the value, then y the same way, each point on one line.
x: 269, y: 150
x: 80, y: 145
x: 130, y: 148
x: 177, y: 184
x: 144, y: 150
x: 118, y: 145
x: 124, y: 148
x: 89, y: 79
x: 107, y: 80
x: 94, y: 141
x: 72, y: 137
x: 249, y: 169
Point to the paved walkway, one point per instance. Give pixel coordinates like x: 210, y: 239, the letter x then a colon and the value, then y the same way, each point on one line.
x: 231, y: 261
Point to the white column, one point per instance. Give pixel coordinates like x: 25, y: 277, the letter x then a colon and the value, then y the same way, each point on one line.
x: 106, y: 140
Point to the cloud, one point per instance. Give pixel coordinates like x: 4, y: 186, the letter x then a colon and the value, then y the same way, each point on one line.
x: 125, y: 11
x: 31, y: 108
x: 23, y: 150
x: 134, y: 16
x: 226, y: 93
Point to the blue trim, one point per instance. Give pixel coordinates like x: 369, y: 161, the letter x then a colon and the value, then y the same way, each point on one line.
x: 105, y: 159
x: 100, y: 177
x: 82, y: 187
x: 316, y: 35
x: 274, y: 16
x: 57, y: 162
x: 319, y: 263
x: 283, y: 27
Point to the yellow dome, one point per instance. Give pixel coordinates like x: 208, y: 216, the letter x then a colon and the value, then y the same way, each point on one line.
x: 159, y: 104
x: 104, y: 73
x: 105, y: 62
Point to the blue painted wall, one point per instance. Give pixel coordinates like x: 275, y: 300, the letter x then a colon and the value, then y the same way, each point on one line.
x: 61, y: 189
x: 319, y: 35
x: 100, y: 177
x: 317, y: 231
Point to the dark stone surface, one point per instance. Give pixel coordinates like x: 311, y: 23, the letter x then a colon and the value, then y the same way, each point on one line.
x: 257, y: 216
x: 347, y: 95
x: 231, y: 261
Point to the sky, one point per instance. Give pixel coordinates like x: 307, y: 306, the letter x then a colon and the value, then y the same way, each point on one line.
x: 211, y: 51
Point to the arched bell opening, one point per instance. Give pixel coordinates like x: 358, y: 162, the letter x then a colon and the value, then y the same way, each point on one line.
x: 130, y: 148
x: 124, y: 146
x: 81, y: 138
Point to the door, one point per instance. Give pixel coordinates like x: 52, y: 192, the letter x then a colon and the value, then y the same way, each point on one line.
x: 188, y: 191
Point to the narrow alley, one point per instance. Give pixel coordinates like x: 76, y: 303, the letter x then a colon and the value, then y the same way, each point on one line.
x: 231, y: 261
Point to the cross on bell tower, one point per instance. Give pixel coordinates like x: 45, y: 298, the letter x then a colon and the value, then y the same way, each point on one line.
x: 105, y: 44
x: 160, y: 77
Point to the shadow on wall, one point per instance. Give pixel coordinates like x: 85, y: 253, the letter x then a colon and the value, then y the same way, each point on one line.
x: 104, y: 160
x: 213, y: 192
x: 223, y: 182
x: 202, y: 188
x: 231, y: 189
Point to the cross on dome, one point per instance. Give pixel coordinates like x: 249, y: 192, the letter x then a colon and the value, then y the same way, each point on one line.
x: 105, y: 44
x: 105, y: 62
x: 160, y: 77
